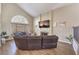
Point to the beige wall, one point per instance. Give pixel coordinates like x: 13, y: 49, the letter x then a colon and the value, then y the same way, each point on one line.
x: 44, y: 16
x: 47, y: 16
x: 10, y: 10
x: 69, y: 14
x: 0, y: 23
x: 0, y: 17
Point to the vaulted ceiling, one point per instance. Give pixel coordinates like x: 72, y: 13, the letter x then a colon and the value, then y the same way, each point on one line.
x: 35, y: 9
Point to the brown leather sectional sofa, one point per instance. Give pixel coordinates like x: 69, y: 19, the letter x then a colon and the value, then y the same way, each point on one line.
x: 25, y: 42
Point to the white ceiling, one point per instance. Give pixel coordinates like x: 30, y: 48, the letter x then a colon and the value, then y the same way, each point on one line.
x: 35, y: 9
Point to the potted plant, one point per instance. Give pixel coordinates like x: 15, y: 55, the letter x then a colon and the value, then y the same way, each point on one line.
x: 4, y: 35
x: 70, y: 37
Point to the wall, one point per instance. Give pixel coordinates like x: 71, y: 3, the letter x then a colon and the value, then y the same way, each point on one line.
x: 36, y: 25
x: 69, y: 14
x: 42, y: 17
x: 47, y: 16
x: 0, y: 17
x: 8, y: 11
x: 0, y: 23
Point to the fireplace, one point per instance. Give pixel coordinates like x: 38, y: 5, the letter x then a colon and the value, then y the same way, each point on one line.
x: 44, y: 33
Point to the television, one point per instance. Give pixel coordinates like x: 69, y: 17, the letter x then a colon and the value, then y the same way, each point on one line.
x: 44, y: 24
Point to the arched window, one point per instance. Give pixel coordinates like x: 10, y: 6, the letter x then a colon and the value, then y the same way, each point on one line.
x: 19, y: 20
x: 19, y: 23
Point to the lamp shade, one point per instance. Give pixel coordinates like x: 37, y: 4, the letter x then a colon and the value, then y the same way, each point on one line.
x: 19, y: 20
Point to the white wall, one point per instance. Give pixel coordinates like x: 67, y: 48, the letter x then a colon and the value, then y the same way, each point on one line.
x: 36, y: 25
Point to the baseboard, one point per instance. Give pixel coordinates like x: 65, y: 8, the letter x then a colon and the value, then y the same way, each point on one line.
x: 65, y: 41
x: 8, y: 39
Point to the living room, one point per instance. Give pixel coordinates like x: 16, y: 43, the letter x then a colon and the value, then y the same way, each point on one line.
x: 58, y: 20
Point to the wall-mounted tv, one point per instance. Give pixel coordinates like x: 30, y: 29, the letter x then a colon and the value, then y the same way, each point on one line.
x: 44, y: 24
